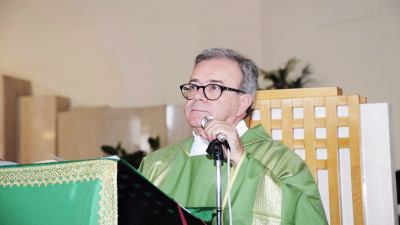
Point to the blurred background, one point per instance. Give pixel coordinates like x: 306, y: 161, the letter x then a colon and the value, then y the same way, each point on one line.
x: 107, y: 55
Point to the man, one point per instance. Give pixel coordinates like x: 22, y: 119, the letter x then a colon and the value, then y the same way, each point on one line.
x: 269, y: 184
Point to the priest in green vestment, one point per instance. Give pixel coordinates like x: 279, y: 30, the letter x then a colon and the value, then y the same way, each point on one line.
x: 267, y: 183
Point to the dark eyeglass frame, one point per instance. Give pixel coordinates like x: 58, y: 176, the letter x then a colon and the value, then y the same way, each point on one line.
x: 223, y: 88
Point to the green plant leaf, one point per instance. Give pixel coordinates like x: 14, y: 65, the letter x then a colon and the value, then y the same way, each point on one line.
x: 154, y: 142
x: 109, y: 150
x: 123, y: 152
x: 280, y: 77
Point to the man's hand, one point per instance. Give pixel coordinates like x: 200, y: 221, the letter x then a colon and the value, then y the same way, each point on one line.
x: 215, y: 127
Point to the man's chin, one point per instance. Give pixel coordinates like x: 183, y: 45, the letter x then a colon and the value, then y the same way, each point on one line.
x: 195, y: 125
x: 195, y: 122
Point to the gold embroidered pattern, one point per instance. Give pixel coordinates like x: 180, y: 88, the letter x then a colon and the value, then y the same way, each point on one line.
x: 268, y: 202
x: 65, y: 172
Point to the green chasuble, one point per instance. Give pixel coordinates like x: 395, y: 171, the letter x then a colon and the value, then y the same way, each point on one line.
x: 271, y: 184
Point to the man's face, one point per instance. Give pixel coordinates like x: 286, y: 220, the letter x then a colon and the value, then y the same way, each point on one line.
x: 227, y: 107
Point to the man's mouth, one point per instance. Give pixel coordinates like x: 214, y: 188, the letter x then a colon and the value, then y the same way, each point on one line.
x: 200, y: 110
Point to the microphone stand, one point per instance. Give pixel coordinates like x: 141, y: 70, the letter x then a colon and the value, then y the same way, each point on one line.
x: 215, y: 148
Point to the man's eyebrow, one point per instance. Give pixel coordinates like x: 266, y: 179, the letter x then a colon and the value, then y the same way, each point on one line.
x: 216, y: 81
x: 209, y: 81
x: 193, y: 80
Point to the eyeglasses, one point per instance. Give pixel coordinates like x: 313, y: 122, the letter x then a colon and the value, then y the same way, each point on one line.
x: 210, y: 91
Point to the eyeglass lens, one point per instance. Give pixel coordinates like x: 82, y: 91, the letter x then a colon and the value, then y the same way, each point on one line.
x: 210, y: 91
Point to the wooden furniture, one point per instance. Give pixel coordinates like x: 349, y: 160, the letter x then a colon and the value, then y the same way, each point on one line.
x: 38, y: 127
x: 323, y: 127
x: 83, y: 130
x: 10, y: 89
x: 49, y: 128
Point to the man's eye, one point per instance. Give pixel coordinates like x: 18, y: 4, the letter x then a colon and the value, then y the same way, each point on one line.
x: 192, y: 87
x: 213, y: 87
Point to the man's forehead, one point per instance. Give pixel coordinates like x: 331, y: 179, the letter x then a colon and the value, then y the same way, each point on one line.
x: 216, y: 71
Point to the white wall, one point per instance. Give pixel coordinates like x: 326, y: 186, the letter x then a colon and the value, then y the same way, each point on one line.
x: 354, y: 44
x: 135, y: 53
x: 122, y: 53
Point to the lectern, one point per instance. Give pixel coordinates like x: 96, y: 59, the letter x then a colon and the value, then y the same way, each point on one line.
x: 101, y: 191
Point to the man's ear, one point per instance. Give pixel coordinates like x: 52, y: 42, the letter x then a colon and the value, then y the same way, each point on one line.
x: 244, y: 102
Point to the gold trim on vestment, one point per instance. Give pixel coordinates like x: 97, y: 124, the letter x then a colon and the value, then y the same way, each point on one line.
x: 162, y: 173
x: 268, y: 202
x: 232, y: 179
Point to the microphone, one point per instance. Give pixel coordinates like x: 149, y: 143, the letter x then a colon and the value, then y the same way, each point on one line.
x: 220, y: 137
x: 205, y: 120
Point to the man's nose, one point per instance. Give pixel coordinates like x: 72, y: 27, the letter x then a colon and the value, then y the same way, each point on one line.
x: 199, y: 95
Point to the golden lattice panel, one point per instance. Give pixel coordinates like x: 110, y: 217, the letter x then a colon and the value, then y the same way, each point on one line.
x: 319, y: 129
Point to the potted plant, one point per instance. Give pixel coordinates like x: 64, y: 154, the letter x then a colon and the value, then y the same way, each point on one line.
x: 134, y: 158
x: 281, y: 77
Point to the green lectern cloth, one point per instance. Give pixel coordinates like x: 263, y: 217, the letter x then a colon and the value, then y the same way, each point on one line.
x: 71, y: 192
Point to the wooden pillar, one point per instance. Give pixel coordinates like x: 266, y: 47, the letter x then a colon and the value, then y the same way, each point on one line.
x: 10, y: 90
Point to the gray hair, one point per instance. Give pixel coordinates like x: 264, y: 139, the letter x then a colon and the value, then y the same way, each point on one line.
x: 247, y: 66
